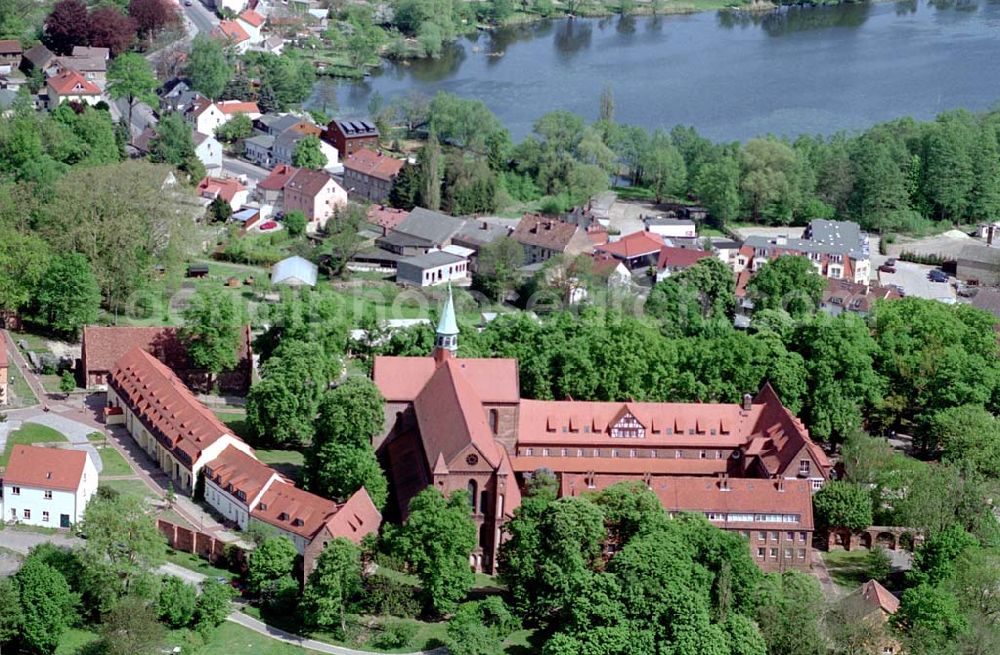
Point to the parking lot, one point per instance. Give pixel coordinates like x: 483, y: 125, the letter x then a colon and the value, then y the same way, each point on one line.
x: 913, y: 279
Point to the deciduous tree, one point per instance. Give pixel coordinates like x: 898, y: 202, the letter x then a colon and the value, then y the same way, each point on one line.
x: 332, y: 585
x: 132, y: 628
x: 152, y: 16
x: 122, y: 537
x: 788, y: 282
x: 842, y: 504
x: 111, y: 29
x: 309, y: 154
x: 213, y: 327
x: 67, y: 25
x: 177, y: 600
x: 48, y: 606
x: 208, y: 67
x: 213, y: 605
x: 68, y: 296
x: 274, y: 558
x: 131, y: 77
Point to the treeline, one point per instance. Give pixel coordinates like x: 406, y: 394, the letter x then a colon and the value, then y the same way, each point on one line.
x: 896, y: 176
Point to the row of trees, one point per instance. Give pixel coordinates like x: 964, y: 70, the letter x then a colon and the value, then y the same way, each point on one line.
x: 896, y: 176
x: 108, y: 585
x: 112, y: 26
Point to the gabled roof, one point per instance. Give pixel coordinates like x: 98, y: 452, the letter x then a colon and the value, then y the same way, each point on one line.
x: 252, y: 17
x: 679, y: 258
x: 10, y: 47
x: 47, y: 468
x: 231, y: 31
x: 236, y: 471
x: 309, y: 182
x: 545, y: 232
x: 69, y: 82
x: 636, y: 244
x: 374, y: 164
x: 400, y: 379
x: 354, y: 129
x: 879, y: 597
x: 237, y: 107
x: 451, y: 417
x: 294, y: 268
x: 166, y: 406
x: 432, y: 226
x: 278, y: 178
x: 387, y: 217
x: 39, y: 55
x: 91, y: 51
x: 219, y: 187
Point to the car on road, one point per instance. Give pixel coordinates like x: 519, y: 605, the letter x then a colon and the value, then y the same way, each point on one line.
x: 188, y: 3
x: 889, y: 266
x: 937, y: 275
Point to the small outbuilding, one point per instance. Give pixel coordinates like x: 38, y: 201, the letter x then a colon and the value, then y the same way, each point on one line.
x: 435, y: 267
x: 295, y: 272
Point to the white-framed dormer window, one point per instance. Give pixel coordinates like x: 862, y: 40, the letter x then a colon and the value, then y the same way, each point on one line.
x: 805, y: 467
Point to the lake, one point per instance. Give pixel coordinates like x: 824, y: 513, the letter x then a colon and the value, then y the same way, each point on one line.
x: 809, y: 70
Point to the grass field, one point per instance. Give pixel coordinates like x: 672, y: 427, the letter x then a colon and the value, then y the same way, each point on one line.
x: 848, y: 568
x: 235, y: 420
x: 196, y: 563
x: 30, y: 433
x: 114, y: 463
x: 136, y: 488
x: 227, y: 639
x: 287, y: 462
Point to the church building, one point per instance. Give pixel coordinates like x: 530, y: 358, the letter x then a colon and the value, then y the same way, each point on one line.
x: 460, y: 423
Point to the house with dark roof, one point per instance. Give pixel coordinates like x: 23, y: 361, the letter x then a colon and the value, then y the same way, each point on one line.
x: 544, y: 237
x: 47, y: 487
x: 350, y: 136
x: 872, y: 606
x: 420, y: 232
x: 837, y: 249
x: 842, y: 296
x: 37, y: 56
x: 10, y: 55
x: 460, y: 423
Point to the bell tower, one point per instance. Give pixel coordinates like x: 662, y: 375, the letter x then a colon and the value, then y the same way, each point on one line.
x: 446, y: 338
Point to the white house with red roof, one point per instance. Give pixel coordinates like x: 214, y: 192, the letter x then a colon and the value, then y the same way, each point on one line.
x: 206, y: 116
x: 47, y: 487
x: 252, y: 23
x: 230, y: 190
x: 69, y: 85
x: 233, y: 34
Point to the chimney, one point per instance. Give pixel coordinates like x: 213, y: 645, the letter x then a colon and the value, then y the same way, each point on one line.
x: 724, y: 482
x: 747, y: 402
x: 781, y: 240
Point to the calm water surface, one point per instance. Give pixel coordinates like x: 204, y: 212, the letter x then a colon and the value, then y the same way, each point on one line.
x: 796, y: 71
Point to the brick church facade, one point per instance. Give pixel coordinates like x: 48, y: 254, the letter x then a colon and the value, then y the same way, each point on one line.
x: 460, y: 423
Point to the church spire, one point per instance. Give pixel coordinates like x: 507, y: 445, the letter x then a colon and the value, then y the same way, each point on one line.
x: 446, y: 339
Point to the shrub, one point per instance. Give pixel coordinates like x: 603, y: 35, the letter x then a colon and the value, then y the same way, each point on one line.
x: 395, y: 633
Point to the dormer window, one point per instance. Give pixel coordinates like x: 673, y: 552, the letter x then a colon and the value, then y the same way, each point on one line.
x: 283, y: 516
x: 297, y: 522
x: 628, y: 427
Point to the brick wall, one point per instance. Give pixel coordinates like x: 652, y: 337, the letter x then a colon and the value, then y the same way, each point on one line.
x: 202, y: 544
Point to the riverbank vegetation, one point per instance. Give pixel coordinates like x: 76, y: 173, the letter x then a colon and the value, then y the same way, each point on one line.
x: 904, y: 175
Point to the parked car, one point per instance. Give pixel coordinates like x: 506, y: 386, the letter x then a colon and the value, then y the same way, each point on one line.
x: 188, y: 3
x: 899, y: 289
x: 937, y: 275
x: 889, y: 266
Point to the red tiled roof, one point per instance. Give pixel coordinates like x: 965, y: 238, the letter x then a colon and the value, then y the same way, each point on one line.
x: 856, y: 297
x: 545, y: 232
x: 626, y: 466
x: 354, y: 519
x: 680, y: 258
x: 450, y: 415
x: 252, y: 17
x: 49, y: 468
x: 166, y: 406
x: 234, y: 471
x: 742, y: 278
x: 879, y: 596
x: 730, y: 495
x: 604, y: 263
x: 69, y: 82
x: 400, y: 379
x: 636, y: 244
x: 231, y: 30
x: 237, y: 107
x: 226, y: 188
x: 278, y: 178
x: 104, y: 346
x: 374, y: 164
x: 387, y: 217
x: 287, y: 507
x: 309, y: 182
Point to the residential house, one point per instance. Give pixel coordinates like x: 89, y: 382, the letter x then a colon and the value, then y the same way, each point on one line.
x: 235, y: 6
x: 433, y: 268
x: 186, y: 440
x: 674, y: 260
x: 10, y: 55
x: 274, y: 124
x: 671, y: 227
x: 179, y: 433
x: 842, y: 296
x: 12, y: 81
x: 460, y: 423
x: 233, y: 34
x: 271, y: 190
x: 103, y: 346
x: 208, y: 150
x: 639, y: 250
x: 477, y: 233
x: 92, y: 63
x: 294, y: 272
x: 979, y: 264
x: 259, y: 150
x: 349, y: 136
x: 47, y: 487
x: 252, y: 23
x: 4, y: 372
x: 838, y: 250
x: 544, y: 237
x: 420, y: 232
x: 612, y: 270
x: 273, y: 44
x: 70, y: 86
x: 316, y: 194
x: 230, y: 190
x: 288, y: 139
x: 37, y: 57
x: 726, y: 250
x: 387, y: 218
x: 206, y: 116
x: 370, y: 175
x: 871, y: 606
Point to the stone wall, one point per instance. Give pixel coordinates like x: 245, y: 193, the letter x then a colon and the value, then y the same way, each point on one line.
x: 202, y: 544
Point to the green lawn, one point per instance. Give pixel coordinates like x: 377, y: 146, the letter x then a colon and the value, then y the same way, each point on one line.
x: 23, y: 395
x: 848, y: 568
x: 287, y: 462
x: 235, y: 420
x: 136, y: 488
x: 35, y: 342
x: 196, y: 563
x: 114, y: 463
x: 30, y: 433
x: 74, y: 640
x: 227, y: 639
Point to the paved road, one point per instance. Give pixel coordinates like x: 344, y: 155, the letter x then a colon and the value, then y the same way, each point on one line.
x: 22, y: 541
x: 201, y: 18
x: 74, y: 431
x: 237, y: 167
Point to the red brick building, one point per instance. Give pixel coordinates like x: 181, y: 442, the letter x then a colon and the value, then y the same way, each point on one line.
x: 460, y: 423
x: 348, y: 137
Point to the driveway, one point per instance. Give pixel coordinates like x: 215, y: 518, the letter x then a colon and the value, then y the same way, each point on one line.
x: 22, y: 541
x: 913, y: 278
x: 74, y: 431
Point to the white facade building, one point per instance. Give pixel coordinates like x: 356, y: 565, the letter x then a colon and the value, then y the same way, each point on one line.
x: 47, y: 487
